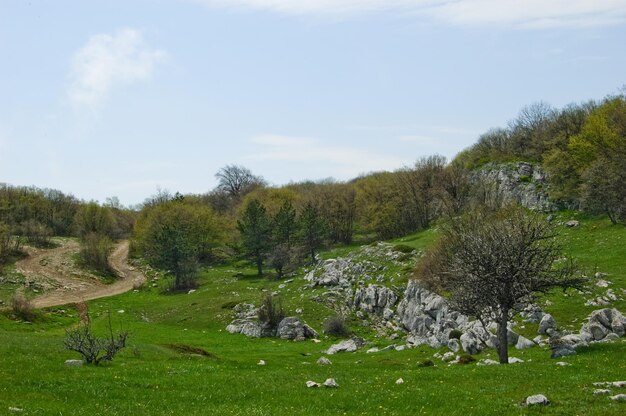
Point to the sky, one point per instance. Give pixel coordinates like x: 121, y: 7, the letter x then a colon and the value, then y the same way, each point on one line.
x: 121, y: 98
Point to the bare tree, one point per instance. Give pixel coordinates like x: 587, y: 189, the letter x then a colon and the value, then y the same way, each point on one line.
x: 493, y: 262
x: 237, y: 180
x: 94, y: 349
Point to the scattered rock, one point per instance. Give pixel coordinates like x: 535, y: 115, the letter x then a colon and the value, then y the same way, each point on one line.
x: 324, y: 361
x: 74, y: 363
x: 515, y: 360
x: 487, y: 361
x: 261, y: 362
x: 572, y: 223
x: 619, y: 397
x: 191, y: 291
x: 372, y: 350
x: 330, y: 382
x: 563, y: 363
x: 349, y: 345
x: 524, y: 343
x: 546, y: 323
x: 400, y: 381
x: 312, y: 384
x: 293, y: 328
x: 600, y: 392
x: 454, y: 345
x: 15, y: 409
x: 537, y: 399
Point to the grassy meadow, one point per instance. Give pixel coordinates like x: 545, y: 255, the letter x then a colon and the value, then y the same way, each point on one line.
x: 181, y: 361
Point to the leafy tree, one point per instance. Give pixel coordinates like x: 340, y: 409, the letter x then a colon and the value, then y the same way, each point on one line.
x: 92, y: 218
x: 492, y: 262
x: 284, y: 232
x: 604, y: 189
x: 175, y: 235
x: 312, y: 229
x: 255, y: 230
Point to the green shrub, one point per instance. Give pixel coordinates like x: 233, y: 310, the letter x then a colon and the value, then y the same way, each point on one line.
x: 403, y: 248
x: 22, y: 308
x: 455, y: 334
x: 336, y: 326
x: 271, y: 311
x: 466, y: 359
x: 94, y: 252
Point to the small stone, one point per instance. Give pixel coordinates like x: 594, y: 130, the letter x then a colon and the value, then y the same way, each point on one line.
x: 600, y: 392
x: 400, y: 348
x: 572, y: 224
x: 618, y: 384
x: 563, y: 363
x: 330, y: 382
x: 619, y: 397
x: 400, y: 381
x: 15, y: 409
x: 372, y: 350
x: 487, y: 361
x: 312, y: 384
x: 261, y: 362
x: 191, y: 291
x: 74, y: 363
x: 524, y: 343
x: 121, y: 311
x: 324, y: 361
x: 515, y: 360
x: 537, y: 399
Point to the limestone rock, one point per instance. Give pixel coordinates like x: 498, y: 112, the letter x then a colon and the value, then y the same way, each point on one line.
x: 312, y: 384
x: 619, y: 397
x: 330, y: 382
x: 74, y: 363
x: 324, y: 361
x: 546, y: 323
x: 537, y: 400
x: 454, y: 345
x: 400, y: 381
x: 349, y: 345
x: 601, y: 392
x: 524, y: 343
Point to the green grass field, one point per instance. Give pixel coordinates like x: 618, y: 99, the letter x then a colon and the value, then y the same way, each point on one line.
x: 152, y: 378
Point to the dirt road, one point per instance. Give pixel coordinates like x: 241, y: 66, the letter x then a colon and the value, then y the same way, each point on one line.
x: 54, y: 270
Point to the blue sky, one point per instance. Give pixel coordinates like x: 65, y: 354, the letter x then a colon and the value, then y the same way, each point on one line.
x: 114, y: 98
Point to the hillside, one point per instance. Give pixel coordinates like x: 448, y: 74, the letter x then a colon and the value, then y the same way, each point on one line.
x: 182, y: 360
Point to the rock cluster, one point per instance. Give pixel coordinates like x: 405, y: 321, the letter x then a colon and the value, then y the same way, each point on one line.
x: 246, y: 323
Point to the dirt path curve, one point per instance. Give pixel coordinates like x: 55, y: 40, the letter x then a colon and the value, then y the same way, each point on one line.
x: 54, y: 267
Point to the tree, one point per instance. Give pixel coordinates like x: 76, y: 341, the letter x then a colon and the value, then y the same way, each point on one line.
x: 312, y: 229
x: 492, y: 262
x: 284, y: 231
x: 175, y: 235
x: 237, y: 180
x: 255, y: 230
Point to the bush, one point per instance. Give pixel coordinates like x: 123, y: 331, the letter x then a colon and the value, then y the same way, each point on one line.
x: 271, y: 311
x: 455, y: 334
x: 403, y: 248
x: 336, y: 326
x: 466, y: 359
x: 22, y: 307
x: 95, y: 252
x: 94, y: 349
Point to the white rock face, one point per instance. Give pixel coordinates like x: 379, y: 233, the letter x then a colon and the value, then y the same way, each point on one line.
x: 537, y: 399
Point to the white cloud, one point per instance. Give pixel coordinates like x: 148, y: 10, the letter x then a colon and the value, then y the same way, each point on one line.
x: 344, y: 161
x: 108, y: 61
x: 518, y: 13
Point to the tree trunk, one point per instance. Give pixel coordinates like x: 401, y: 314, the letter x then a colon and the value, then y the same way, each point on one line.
x: 503, y: 339
x: 259, y: 266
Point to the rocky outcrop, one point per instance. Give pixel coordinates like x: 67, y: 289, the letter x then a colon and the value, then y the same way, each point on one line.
x: 521, y: 182
x: 246, y: 323
x: 349, y: 345
x: 294, y: 329
x: 375, y: 300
